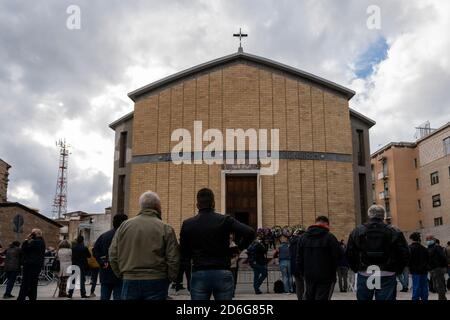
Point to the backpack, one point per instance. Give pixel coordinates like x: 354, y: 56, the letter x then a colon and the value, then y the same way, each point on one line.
x: 278, y: 286
x: 375, y: 243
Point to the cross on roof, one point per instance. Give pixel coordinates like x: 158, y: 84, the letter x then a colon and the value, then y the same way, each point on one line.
x: 240, y: 35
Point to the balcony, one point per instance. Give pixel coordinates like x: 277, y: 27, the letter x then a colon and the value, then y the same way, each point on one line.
x: 382, y: 175
x: 383, y: 195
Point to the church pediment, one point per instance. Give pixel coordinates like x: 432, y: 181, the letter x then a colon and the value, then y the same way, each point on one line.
x: 244, y: 58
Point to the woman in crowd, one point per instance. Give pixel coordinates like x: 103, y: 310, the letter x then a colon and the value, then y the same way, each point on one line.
x: 64, y: 255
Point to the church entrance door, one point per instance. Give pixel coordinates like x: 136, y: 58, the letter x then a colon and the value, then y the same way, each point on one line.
x: 242, y: 198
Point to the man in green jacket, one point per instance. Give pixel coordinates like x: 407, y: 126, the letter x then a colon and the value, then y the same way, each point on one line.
x: 145, y: 253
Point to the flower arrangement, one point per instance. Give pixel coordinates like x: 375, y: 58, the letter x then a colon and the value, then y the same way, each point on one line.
x: 272, y: 236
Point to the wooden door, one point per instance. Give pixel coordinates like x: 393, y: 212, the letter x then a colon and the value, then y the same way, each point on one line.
x: 241, y: 198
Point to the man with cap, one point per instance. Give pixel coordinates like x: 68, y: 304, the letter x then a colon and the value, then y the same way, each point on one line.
x: 418, y: 267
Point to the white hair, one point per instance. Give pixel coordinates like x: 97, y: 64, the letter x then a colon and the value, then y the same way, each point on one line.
x: 149, y: 200
x: 37, y: 232
x: 376, y: 212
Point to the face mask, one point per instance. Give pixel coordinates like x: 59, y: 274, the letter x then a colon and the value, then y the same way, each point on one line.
x: 430, y: 242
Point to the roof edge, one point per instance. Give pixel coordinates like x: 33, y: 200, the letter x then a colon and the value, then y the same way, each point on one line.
x: 402, y: 144
x: 124, y: 118
x: 362, y: 117
x: 32, y: 211
x: 7, y: 164
x: 445, y: 126
x: 133, y: 95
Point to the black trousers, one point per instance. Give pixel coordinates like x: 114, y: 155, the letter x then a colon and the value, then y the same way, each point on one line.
x: 30, y: 278
x: 299, y: 287
x: 318, y: 291
x: 82, y: 284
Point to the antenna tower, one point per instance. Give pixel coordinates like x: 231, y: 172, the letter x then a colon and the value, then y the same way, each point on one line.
x: 60, y: 201
x: 423, y: 130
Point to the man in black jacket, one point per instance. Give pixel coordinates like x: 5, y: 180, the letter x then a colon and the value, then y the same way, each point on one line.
x: 377, y: 252
x: 110, y: 284
x: 257, y: 257
x: 317, y: 260
x: 33, y: 250
x: 438, y: 266
x: 80, y: 254
x: 418, y: 267
x: 205, y: 240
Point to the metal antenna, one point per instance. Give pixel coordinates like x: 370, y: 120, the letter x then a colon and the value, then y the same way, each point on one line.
x: 60, y: 201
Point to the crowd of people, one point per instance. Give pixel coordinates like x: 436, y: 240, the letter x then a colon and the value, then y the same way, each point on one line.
x: 140, y: 257
x: 27, y: 260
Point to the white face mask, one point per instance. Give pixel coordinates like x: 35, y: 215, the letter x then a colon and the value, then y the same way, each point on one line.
x: 430, y: 242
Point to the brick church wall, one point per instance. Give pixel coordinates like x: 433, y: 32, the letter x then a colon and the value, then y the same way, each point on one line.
x: 243, y: 95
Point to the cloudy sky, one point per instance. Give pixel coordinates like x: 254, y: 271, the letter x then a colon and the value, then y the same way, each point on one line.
x: 57, y: 82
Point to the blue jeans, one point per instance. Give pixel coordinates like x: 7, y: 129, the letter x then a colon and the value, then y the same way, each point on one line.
x: 108, y: 289
x: 420, y: 287
x: 285, y: 268
x: 259, y: 275
x: 219, y: 283
x: 11, y: 277
x: 387, y: 291
x: 145, y: 289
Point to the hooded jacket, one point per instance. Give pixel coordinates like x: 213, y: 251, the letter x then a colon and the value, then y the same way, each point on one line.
x: 145, y: 248
x: 318, y: 253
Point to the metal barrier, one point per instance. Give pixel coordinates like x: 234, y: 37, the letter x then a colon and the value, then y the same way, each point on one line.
x: 46, y: 276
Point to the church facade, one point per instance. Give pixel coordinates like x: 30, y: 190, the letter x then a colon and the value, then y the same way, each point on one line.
x: 323, y: 158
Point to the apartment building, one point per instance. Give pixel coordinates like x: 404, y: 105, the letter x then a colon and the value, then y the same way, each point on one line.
x: 412, y: 181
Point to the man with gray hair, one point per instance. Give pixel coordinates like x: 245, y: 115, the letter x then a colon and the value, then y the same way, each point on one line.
x: 144, y: 253
x: 33, y: 250
x: 377, y: 246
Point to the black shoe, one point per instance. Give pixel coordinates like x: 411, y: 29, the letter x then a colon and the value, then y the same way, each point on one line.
x: 84, y: 297
x: 404, y: 290
x: 258, y: 291
x: 8, y: 296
